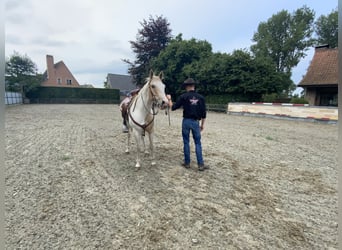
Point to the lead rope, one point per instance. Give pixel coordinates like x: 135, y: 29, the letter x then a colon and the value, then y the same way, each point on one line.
x: 167, y: 112
x: 143, y: 126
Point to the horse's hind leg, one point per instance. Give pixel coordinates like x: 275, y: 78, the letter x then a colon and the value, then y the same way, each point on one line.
x: 150, y: 136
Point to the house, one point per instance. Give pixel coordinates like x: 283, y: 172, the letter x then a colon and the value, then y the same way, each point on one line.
x: 321, y: 80
x: 58, y: 74
x: 122, y: 82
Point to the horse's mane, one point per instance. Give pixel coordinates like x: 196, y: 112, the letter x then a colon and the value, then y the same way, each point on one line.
x: 147, y: 80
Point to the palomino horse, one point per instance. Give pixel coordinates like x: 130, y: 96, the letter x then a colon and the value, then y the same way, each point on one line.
x: 141, y: 111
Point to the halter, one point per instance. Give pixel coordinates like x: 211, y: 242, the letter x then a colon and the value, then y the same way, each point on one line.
x: 154, y: 101
x: 154, y: 104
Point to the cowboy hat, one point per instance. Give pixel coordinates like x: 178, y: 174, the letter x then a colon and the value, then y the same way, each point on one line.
x: 189, y: 81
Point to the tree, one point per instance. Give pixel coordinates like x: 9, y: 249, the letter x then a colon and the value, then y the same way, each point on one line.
x: 238, y: 75
x: 285, y: 38
x: 105, y: 84
x: 151, y: 39
x: 252, y: 76
x: 178, y: 60
x: 241, y: 76
x: 21, y: 73
x: 326, y: 29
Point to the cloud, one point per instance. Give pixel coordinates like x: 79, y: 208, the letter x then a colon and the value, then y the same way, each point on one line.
x: 43, y: 41
x: 16, y: 11
x: 15, y: 6
x: 94, y: 67
x: 14, y: 39
x: 93, y: 37
x: 12, y: 5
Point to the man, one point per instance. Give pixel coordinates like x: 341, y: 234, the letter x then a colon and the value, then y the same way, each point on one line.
x: 194, y: 116
x: 124, y: 106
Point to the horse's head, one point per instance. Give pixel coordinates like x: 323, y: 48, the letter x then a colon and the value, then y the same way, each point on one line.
x: 157, y: 88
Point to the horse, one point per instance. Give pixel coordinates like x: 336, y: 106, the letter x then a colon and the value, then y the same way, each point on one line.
x: 141, y: 112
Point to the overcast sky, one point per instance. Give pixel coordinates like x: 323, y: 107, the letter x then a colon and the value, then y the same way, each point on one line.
x: 92, y: 37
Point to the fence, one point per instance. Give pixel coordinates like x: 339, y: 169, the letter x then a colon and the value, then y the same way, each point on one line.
x: 13, y: 98
x: 285, y: 111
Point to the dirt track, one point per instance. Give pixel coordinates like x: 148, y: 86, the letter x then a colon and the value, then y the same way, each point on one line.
x: 69, y: 185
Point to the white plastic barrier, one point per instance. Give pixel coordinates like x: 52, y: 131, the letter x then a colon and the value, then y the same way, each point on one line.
x: 13, y: 98
x: 289, y: 110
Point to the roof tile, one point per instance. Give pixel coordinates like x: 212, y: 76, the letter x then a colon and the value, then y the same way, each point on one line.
x: 323, y: 69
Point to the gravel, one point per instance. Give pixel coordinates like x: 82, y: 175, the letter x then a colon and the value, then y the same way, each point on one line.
x: 69, y: 185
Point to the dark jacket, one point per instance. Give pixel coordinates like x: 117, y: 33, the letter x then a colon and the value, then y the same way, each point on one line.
x: 193, y: 105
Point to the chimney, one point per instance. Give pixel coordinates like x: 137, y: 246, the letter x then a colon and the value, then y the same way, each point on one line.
x: 50, y: 67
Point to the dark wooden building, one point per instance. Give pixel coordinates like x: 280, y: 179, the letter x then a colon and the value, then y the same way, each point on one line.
x: 320, y: 83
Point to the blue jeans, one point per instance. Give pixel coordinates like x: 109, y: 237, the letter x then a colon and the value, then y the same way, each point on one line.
x: 193, y: 126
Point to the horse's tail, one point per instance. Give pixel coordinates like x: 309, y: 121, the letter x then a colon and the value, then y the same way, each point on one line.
x: 126, y: 114
x: 125, y: 117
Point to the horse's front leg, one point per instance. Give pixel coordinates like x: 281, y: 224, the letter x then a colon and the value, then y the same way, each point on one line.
x: 151, y: 137
x: 138, y: 140
x: 144, y: 146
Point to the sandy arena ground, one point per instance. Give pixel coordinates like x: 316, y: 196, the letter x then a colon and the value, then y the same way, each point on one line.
x: 69, y: 184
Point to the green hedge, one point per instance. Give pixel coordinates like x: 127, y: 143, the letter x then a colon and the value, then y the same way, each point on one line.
x: 225, y: 99
x: 73, y: 95
x: 299, y: 100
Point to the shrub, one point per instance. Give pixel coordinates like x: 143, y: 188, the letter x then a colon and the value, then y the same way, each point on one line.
x: 299, y: 100
x: 224, y: 99
x: 269, y: 97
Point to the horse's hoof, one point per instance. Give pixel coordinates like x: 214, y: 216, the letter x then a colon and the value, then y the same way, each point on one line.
x: 127, y: 151
x: 137, y: 166
x: 147, y: 153
x: 153, y: 163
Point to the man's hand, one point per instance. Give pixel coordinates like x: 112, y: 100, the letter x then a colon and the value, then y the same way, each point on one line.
x: 202, y: 124
x: 170, y: 101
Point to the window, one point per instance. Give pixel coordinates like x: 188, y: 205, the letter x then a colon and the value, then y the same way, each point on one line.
x: 59, y: 81
x: 68, y: 82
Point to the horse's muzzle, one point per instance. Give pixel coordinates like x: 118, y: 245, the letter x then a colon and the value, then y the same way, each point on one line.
x: 164, y: 105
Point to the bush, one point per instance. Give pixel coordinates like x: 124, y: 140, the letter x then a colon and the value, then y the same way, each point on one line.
x: 299, y: 100
x: 269, y: 97
x: 224, y: 99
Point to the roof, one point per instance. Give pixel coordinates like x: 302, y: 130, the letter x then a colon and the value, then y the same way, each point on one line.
x: 323, y: 69
x: 121, y: 82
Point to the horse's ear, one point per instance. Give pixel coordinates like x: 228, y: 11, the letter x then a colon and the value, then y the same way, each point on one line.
x: 161, y: 75
x: 151, y: 74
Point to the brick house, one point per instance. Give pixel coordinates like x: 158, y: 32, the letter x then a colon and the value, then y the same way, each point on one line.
x: 321, y: 80
x: 58, y: 74
x: 122, y: 82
